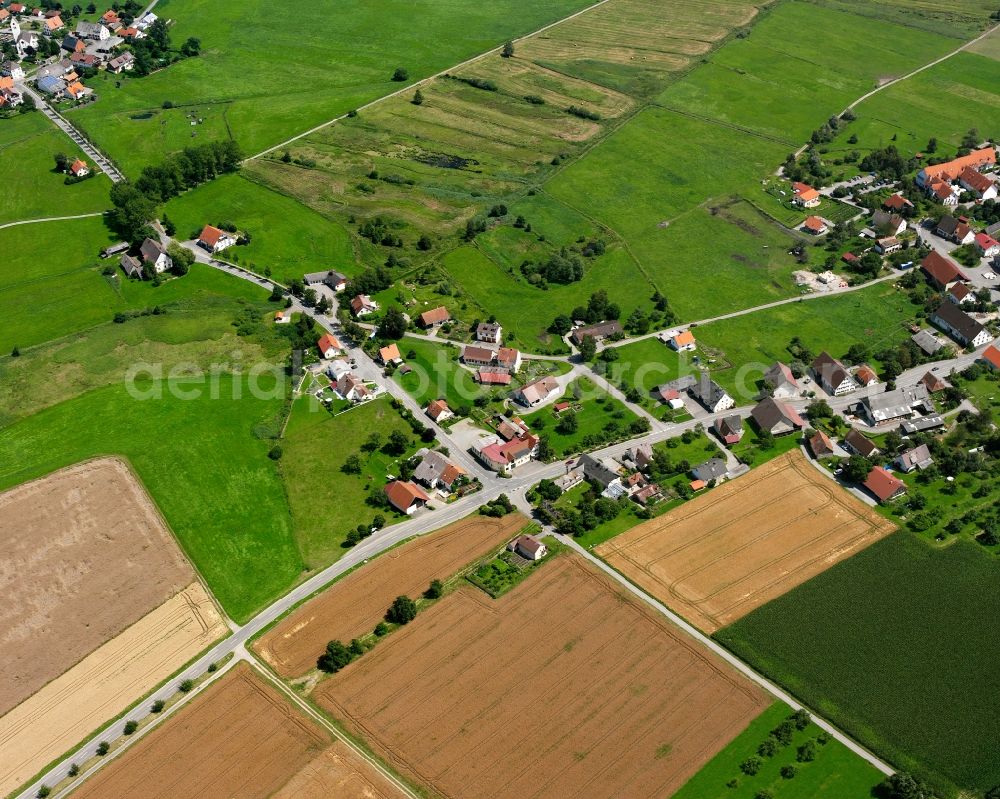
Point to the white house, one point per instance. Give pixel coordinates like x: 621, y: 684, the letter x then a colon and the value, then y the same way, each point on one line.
x: 329, y: 347
x: 215, y: 240
x: 153, y: 253
x: 11, y: 69
x: 528, y: 547
x: 682, y: 342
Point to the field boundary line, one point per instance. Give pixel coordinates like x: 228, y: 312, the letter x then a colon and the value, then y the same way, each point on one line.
x: 318, y: 717
x: 730, y: 658
x: 428, y: 79
x: 51, y: 219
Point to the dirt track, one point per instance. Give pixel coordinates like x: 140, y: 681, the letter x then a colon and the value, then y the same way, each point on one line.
x: 239, y: 739
x: 715, y: 559
x: 564, y: 687
x: 85, y: 555
x: 105, y: 683
x: 354, y: 605
x: 339, y: 773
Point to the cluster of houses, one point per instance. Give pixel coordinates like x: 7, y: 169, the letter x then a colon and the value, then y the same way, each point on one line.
x: 705, y: 391
x: 513, y: 445
x: 151, y: 252
x: 625, y: 478
x: 10, y: 97
x: 946, y: 276
x: 434, y: 472
x: 344, y: 381
x: 492, y: 366
x: 959, y: 230
x: 945, y: 182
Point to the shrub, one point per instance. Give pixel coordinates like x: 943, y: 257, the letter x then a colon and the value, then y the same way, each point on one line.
x: 399, y: 75
x: 275, y: 453
x: 74, y: 769
x: 102, y: 748
x: 788, y: 772
x: 186, y: 686
x: 381, y: 629
x: 158, y: 706
x: 434, y: 590
x: 751, y: 765
x: 402, y: 611
x: 43, y: 791
x: 130, y: 727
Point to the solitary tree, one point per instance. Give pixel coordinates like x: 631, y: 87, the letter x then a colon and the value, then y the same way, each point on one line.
x: 62, y: 162
x: 402, y: 611
x: 397, y: 443
x: 508, y: 49
x: 393, y: 325
x: 400, y: 75
x: 418, y: 97
x: 588, y: 348
x: 102, y: 748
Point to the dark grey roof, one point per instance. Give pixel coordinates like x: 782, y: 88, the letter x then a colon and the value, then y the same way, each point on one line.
x: 727, y: 425
x: 769, y: 413
x: 600, y: 330
x: 927, y: 341
x: 947, y: 225
x: 680, y: 384
x: 596, y: 470
x: 430, y: 468
x: 918, y: 425
x: 860, y: 443
x: 894, y: 404
x: 151, y: 250
x: 708, y: 392
x: 131, y: 266
x: 951, y: 316
x: 919, y: 457
x: 712, y: 469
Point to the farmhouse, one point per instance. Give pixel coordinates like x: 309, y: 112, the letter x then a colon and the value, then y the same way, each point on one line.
x: 960, y: 326
x: 122, y: 63
x: 390, y: 354
x: 490, y: 332
x: 536, y: 391
x: 779, y: 381
x: 491, y: 377
x: 950, y: 170
x: 820, y: 445
x: 888, y: 224
x: 805, y: 195
x: 53, y: 24
x: 815, y: 225
x: 832, y: 375
x: 911, y: 426
x: 406, y: 497
x: 504, y: 360
x: 933, y: 383
x: 892, y: 406
x: 961, y: 294
x: 888, y: 245
x: 9, y: 98
x: 509, y: 429
x: 154, y: 254
x: 987, y: 245
x: 79, y: 169
x: 329, y: 346
x: 858, y: 443
x: 78, y: 91
x: 363, y: 305
x: 683, y: 342
x: 712, y: 469
x: 352, y: 388
x: 598, y: 471
x: 866, y: 376
x: 977, y: 184
x: 12, y: 69
x: 942, y: 272
x: 438, y: 410
x: 215, y: 240
x: 884, y: 485
x: 477, y: 356
x: 505, y: 456
x: 711, y: 395
x: 954, y: 229
x: 334, y: 280
x: 72, y: 44
x: 434, y: 317
x: 508, y: 358
x: 729, y: 428
x: 776, y: 417
x: 897, y: 202
x: 92, y: 30
x: 598, y: 332
x: 528, y: 547
x: 131, y: 266
x: 435, y: 470
x: 916, y: 458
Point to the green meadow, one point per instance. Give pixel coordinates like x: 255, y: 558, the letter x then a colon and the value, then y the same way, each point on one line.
x: 285, y: 236
x: 267, y: 73
x: 895, y: 646
x: 31, y: 188
x: 201, y: 462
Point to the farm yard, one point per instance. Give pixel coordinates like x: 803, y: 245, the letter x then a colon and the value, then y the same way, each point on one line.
x: 891, y: 646
x: 571, y: 629
x: 28, y: 144
x: 749, y: 541
x: 240, y: 737
x: 321, y: 73
x: 355, y: 604
x: 75, y: 659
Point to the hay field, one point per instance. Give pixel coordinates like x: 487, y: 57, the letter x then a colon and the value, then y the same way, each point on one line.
x: 339, y: 772
x: 86, y: 554
x: 239, y: 738
x: 721, y: 556
x: 563, y: 687
x: 355, y: 604
x: 105, y: 683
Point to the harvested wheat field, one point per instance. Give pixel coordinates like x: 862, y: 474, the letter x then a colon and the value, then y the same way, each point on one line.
x: 355, y: 604
x: 239, y: 738
x: 105, y: 683
x: 564, y: 687
x: 717, y: 558
x: 339, y: 773
x: 86, y: 554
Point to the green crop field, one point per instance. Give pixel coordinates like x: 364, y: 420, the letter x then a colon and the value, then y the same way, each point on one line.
x: 286, y: 237
x: 31, y: 187
x: 894, y: 645
x: 750, y: 344
x: 961, y: 20
x: 197, y: 330
x: 836, y: 772
x: 266, y: 74
x: 202, y: 464
x: 326, y: 502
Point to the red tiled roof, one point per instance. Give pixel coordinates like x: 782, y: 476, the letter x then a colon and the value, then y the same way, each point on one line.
x: 940, y: 269
x: 493, y: 378
x: 992, y: 356
x: 327, y: 342
x: 949, y: 170
x: 883, y: 484
x: 402, y: 494
x: 897, y: 202
x: 389, y: 353
x: 985, y: 242
x: 436, y: 407
x: 210, y: 235
x: 814, y: 223
x: 434, y: 316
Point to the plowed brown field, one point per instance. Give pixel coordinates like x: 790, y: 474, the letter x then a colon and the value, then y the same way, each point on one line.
x: 85, y: 555
x: 240, y: 738
x: 354, y: 605
x: 564, y: 687
x: 715, y: 559
x: 339, y: 773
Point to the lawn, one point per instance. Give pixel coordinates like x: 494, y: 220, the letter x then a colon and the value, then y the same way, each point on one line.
x: 436, y: 374
x: 919, y: 699
x: 326, y: 503
x: 836, y: 772
x: 286, y: 237
x: 498, y: 576
x: 601, y: 419
x: 202, y: 462
x: 751, y: 343
x: 262, y: 78
x: 52, y: 285
x: 31, y: 187
x: 197, y: 331
x: 625, y: 520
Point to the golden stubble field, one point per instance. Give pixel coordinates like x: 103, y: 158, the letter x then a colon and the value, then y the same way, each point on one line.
x: 731, y: 550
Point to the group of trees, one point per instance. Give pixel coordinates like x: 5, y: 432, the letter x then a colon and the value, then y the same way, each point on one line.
x: 500, y: 506
x: 598, y: 309
x: 403, y: 610
x: 561, y: 267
